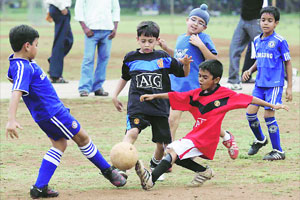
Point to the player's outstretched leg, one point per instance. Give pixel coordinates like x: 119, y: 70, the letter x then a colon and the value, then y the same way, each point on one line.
x: 144, y: 175
x: 201, y: 177
x: 232, y: 147
x: 44, y: 192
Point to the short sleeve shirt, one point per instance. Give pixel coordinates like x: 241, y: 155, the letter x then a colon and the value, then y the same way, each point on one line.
x: 149, y: 74
x: 208, y: 110
x: 38, y: 92
x: 184, y: 47
x: 271, y: 52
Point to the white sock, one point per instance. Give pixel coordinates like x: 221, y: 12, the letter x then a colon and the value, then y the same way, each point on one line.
x: 226, y: 137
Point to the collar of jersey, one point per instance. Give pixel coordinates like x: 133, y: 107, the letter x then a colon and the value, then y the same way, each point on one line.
x: 209, y: 93
x: 10, y: 58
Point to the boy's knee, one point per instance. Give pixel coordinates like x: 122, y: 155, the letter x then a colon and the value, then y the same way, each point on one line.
x: 81, y: 138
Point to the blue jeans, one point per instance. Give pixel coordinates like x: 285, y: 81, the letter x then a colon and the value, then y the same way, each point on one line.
x: 90, y: 82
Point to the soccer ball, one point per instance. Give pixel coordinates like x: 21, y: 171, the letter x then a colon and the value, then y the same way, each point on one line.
x: 123, y: 156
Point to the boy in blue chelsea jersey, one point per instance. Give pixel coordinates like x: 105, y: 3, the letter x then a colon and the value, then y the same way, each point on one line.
x: 32, y: 84
x: 272, y: 54
x: 200, y: 46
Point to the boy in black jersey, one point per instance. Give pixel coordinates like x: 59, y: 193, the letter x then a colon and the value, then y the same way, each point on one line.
x: 149, y: 69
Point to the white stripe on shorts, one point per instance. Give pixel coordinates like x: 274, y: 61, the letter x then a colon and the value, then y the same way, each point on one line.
x: 185, y: 148
x: 274, y: 94
x: 62, y: 127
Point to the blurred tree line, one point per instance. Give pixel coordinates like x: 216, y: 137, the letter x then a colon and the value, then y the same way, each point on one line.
x: 180, y: 6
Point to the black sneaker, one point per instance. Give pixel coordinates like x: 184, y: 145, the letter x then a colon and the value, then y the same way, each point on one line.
x: 114, y: 177
x: 44, y: 192
x: 274, y: 155
x: 256, y: 145
x: 122, y: 172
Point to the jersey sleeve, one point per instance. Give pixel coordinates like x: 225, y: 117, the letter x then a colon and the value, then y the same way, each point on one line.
x: 284, y: 50
x: 176, y: 67
x: 125, y: 72
x: 180, y: 100
x: 21, y: 75
x: 238, y: 100
x: 210, y: 45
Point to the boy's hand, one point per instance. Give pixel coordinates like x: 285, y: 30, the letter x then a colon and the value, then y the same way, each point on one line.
x: 11, y: 129
x: 162, y: 43
x: 246, y: 75
x: 118, y: 104
x: 88, y: 32
x: 288, y: 94
x: 112, y: 34
x: 186, y: 60
x: 64, y: 11
x: 196, y: 41
x: 281, y: 106
x: 146, y: 97
x: 49, y: 18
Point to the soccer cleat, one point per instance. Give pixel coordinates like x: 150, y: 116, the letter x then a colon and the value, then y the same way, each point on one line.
x: 44, y: 192
x: 274, y: 155
x: 122, y: 172
x: 144, y: 175
x: 232, y: 147
x: 161, y: 178
x: 256, y: 145
x: 114, y: 177
x: 201, y: 177
x: 234, y: 86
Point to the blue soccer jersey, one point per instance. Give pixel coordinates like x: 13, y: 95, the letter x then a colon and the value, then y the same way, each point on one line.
x: 271, y: 52
x: 184, y: 47
x: 149, y: 74
x: 38, y: 93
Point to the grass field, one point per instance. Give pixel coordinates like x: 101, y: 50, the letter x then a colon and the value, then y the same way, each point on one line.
x: 245, y: 178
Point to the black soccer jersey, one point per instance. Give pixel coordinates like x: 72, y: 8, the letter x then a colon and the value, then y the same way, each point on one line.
x: 149, y: 74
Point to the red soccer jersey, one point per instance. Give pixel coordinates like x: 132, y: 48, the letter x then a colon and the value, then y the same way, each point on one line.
x: 208, y: 110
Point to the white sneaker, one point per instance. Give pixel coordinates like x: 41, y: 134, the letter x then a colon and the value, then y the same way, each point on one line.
x: 144, y: 175
x: 161, y: 178
x: 201, y: 177
x: 234, y: 86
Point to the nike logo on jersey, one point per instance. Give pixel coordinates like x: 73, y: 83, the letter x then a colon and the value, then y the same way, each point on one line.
x: 149, y: 80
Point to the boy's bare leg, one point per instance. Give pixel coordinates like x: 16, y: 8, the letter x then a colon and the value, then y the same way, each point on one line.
x: 131, y: 135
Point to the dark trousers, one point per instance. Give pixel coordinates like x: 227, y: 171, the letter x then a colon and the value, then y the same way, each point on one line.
x: 63, y: 41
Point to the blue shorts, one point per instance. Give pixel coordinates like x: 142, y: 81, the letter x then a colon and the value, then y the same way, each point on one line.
x: 61, y: 125
x: 160, y: 126
x: 271, y: 95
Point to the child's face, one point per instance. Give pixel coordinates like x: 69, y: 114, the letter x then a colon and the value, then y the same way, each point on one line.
x: 147, y: 44
x: 206, y: 80
x: 31, y: 49
x: 267, y: 23
x: 195, y: 25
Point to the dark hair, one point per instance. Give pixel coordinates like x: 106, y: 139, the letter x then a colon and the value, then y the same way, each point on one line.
x: 148, y: 29
x: 271, y: 10
x: 214, y: 67
x: 21, y: 34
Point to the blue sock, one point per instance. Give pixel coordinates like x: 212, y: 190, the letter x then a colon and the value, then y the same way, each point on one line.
x: 92, y: 153
x: 49, y: 164
x: 273, y: 132
x: 255, y: 126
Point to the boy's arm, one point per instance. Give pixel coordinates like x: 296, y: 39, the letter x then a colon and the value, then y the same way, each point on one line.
x: 162, y: 43
x: 288, y: 65
x: 186, y: 60
x: 88, y: 32
x: 196, y: 41
x: 260, y: 102
x: 121, y: 84
x: 246, y: 75
x: 149, y: 97
x: 12, y: 124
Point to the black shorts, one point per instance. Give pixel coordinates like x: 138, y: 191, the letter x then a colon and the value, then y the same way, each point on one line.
x: 160, y: 126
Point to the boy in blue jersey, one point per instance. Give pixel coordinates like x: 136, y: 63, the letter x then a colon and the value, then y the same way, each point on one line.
x: 149, y: 69
x: 199, y: 45
x: 272, y: 54
x: 32, y: 84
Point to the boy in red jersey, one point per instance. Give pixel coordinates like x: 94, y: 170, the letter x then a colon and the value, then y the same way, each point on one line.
x: 208, y: 105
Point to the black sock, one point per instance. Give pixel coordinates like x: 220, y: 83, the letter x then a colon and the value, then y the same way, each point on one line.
x: 190, y: 164
x: 162, y: 167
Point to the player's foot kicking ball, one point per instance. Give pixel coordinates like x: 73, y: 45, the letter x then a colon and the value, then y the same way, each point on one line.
x: 144, y: 175
x: 201, y: 177
x: 122, y: 172
x: 114, y: 177
x: 44, y: 192
x: 232, y: 147
x: 274, y: 155
x: 256, y: 145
